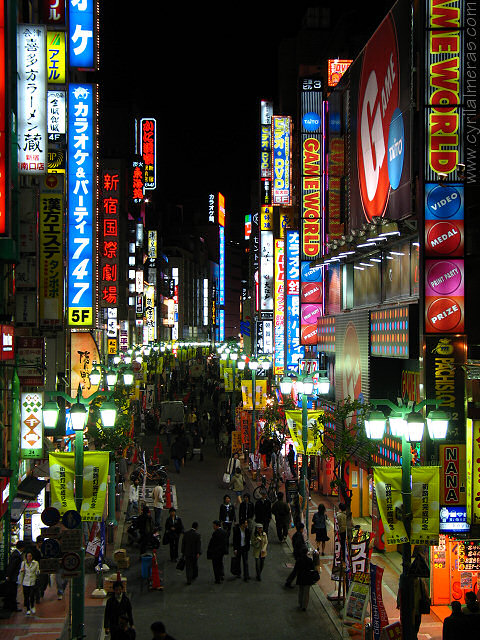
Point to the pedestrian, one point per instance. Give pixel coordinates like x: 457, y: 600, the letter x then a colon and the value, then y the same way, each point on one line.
x: 238, y: 484
x: 263, y: 511
x: 299, y: 545
x: 241, y: 545
x: 455, y: 625
x: 259, y: 544
x: 283, y: 517
x: 145, y: 528
x: 233, y: 463
x: 177, y: 453
x: 173, y: 531
x: 246, y: 511
x: 169, y: 431
x: 342, y: 526
x: 217, y: 548
x: 227, y: 515
x: 291, y: 459
x: 158, y: 503
x: 43, y: 578
x: 197, y: 445
x: 159, y: 632
x: 304, y: 567
x: 191, y: 550
x: 11, y: 577
x: 27, y: 577
x: 471, y: 612
x: 61, y: 582
x: 133, y: 497
x: 185, y: 444
x: 319, y: 527
x: 117, y: 605
x: 125, y: 631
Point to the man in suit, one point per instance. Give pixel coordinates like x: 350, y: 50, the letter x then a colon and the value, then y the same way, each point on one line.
x: 13, y: 569
x: 241, y: 545
x: 191, y: 550
x: 173, y: 531
x: 217, y: 548
x: 263, y: 511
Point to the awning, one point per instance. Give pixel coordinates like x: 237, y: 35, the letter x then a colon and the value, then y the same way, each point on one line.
x: 30, y: 487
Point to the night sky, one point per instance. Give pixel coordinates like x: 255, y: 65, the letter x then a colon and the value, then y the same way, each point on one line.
x: 201, y: 70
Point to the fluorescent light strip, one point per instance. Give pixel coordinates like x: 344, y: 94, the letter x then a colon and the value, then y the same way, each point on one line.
x: 397, y: 253
x: 365, y: 264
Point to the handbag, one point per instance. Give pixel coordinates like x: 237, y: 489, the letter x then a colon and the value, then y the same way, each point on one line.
x: 196, y: 451
x: 166, y: 538
x: 226, y: 478
x: 181, y: 564
x: 313, y: 576
x: 235, y: 566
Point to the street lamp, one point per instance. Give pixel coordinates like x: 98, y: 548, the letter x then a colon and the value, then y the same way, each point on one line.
x: 78, y: 414
x: 409, y: 425
x: 253, y: 366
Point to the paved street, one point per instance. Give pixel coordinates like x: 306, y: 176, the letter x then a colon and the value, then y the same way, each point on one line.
x: 235, y: 609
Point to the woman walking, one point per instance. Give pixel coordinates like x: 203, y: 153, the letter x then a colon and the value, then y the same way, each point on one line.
x: 29, y: 571
x: 259, y: 543
x: 304, y: 566
x: 238, y: 483
x: 319, y: 527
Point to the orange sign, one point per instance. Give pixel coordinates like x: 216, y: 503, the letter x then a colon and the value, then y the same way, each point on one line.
x: 84, y: 353
x: 336, y: 69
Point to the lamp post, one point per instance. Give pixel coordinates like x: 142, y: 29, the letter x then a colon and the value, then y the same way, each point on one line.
x: 233, y: 358
x: 78, y: 414
x: 253, y: 366
x: 408, y: 424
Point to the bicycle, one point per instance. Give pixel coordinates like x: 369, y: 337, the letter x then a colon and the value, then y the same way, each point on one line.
x: 270, y: 489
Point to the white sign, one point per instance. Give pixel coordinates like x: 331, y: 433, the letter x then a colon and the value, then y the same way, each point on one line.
x: 56, y: 112
x: 32, y: 99
x: 31, y: 430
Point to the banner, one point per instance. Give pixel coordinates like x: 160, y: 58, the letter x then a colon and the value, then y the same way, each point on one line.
x: 62, y: 476
x: 314, y: 443
x: 95, y: 477
x: 360, y: 553
x: 228, y: 378
x: 379, y: 613
x: 425, y: 505
x: 357, y: 598
x: 84, y: 352
x: 388, y: 487
x: 337, y: 550
x: 260, y: 395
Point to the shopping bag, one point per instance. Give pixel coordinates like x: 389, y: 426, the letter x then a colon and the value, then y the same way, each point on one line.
x: 181, y: 564
x: 226, y: 478
x: 235, y: 566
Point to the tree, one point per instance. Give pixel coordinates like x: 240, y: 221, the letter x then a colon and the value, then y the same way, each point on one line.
x: 275, y: 425
x: 118, y: 437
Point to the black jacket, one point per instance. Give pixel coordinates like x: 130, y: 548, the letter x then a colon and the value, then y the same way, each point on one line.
x: 217, y: 547
x: 178, y: 525
x: 298, y: 543
x: 246, y: 511
x: 303, y: 566
x: 114, y: 609
x: 191, y: 543
x: 223, y: 512
x: 237, y: 538
x: 14, y: 564
x: 263, y: 511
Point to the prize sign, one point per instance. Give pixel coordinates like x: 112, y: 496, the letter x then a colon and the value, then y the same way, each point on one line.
x: 81, y: 186
x: 444, y: 296
x: 281, y: 160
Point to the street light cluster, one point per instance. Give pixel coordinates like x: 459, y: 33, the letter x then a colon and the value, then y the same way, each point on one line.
x: 406, y: 421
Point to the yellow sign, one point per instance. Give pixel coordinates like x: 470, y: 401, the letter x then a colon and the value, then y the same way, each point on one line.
x: 236, y: 442
x: 473, y: 471
x: 95, y: 476
x: 260, y: 395
x: 228, y: 378
x: 425, y: 505
x: 62, y: 475
x: 112, y: 346
x: 80, y: 316
x: 266, y: 218
x: 56, y: 57
x: 83, y: 353
x: 314, y: 442
x: 388, y: 489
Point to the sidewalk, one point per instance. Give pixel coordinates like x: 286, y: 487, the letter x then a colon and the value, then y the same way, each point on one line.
x: 431, y: 627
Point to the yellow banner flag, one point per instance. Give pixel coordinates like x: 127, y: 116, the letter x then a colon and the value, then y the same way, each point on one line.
x: 95, y: 476
x: 228, y: 378
x: 425, y: 505
x: 388, y: 489
x: 260, y: 395
x: 314, y: 442
x: 62, y: 476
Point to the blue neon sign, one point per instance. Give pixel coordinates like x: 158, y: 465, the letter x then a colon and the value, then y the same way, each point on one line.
x: 81, y: 33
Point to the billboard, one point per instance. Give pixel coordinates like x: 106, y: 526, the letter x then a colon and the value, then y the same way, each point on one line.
x: 31, y: 425
x: 81, y: 34
x: 444, y: 296
x: 379, y: 83
x: 266, y: 112
x: 56, y: 57
x: 352, y: 362
x: 3, y: 166
x: 279, y: 309
x: 281, y: 160
x: 311, y: 301
x: 266, y: 271
x: 444, y: 220
x: 335, y: 70
x: 32, y: 99
x: 81, y: 189
x: 109, y: 238
x: 294, y: 351
x: 148, y: 150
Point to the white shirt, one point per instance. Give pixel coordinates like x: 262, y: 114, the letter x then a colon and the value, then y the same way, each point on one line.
x: 158, y: 497
x: 28, y: 573
x: 133, y: 493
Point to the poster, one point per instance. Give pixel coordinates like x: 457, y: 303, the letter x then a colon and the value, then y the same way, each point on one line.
x: 357, y: 598
x: 388, y: 487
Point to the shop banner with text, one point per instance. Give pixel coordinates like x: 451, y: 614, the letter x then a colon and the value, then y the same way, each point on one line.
x: 425, y: 505
x: 314, y: 442
x: 388, y: 487
x: 95, y: 480
x: 260, y: 395
x: 62, y: 476
x: 379, y: 613
x: 357, y: 598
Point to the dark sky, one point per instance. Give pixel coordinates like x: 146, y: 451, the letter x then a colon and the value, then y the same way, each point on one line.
x: 201, y: 70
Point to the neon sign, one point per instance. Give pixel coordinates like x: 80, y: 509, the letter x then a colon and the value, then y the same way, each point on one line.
x: 281, y: 160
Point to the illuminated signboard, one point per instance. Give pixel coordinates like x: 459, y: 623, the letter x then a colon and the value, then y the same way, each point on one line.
x: 279, y: 309
x: 389, y: 333
x: 138, y: 180
x: 221, y: 289
x: 266, y: 218
x: 7, y: 350
x: 51, y: 243
x: 221, y: 210
x: 452, y: 474
x: 32, y: 99
x: 281, y: 160
x: 444, y: 220
x: 311, y: 301
x: 31, y: 425
x: 221, y: 324
x: 81, y: 33
x: 56, y: 114
x: 453, y: 519
x: 266, y: 270
x: 293, y: 349
x: 150, y: 319
x: 53, y: 12
x: 266, y: 112
x: 205, y: 302
x: 444, y: 89
x: 326, y: 334
x: 148, y: 150
x: 335, y: 70
x: 336, y: 170
x: 311, y: 168
x: 211, y: 207
x: 444, y: 296
x: 3, y: 166
x: 248, y: 226
x: 109, y: 239
x: 81, y: 187
x: 56, y: 57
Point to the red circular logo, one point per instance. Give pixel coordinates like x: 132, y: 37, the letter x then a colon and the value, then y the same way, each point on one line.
x: 312, y: 292
x: 444, y: 314
x: 444, y: 238
x: 309, y: 334
x: 378, y: 99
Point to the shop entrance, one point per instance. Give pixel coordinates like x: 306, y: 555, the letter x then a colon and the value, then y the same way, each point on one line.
x: 455, y: 566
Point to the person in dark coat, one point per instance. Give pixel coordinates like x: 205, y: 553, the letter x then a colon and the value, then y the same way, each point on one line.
x: 173, y: 531
x: 145, y: 528
x: 117, y: 605
x: 191, y: 550
x: 246, y: 511
x: 241, y: 545
x: 217, y: 548
x: 283, y: 517
x: 299, y: 546
x: 304, y: 565
x: 263, y: 512
x: 455, y: 625
x: 125, y: 631
x: 11, y: 577
x: 291, y: 459
x: 177, y: 453
x: 227, y: 515
x: 159, y: 632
